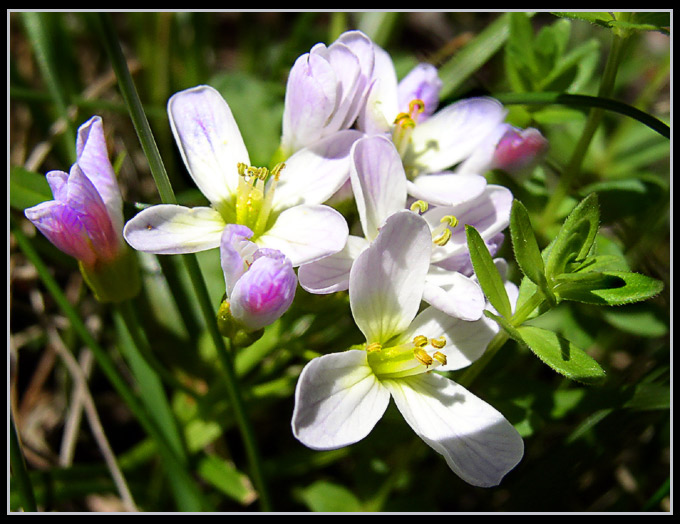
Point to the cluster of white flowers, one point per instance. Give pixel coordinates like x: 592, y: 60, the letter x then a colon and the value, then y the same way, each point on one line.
x: 415, y: 172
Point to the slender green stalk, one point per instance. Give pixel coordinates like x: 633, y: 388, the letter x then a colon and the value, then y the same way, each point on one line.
x: 549, y: 98
x: 167, y: 195
x: 35, y: 27
x: 573, y: 168
x: 19, y: 472
x: 186, y: 492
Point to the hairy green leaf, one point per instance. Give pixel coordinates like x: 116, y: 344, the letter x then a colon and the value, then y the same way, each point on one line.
x: 489, y: 278
x: 561, y: 355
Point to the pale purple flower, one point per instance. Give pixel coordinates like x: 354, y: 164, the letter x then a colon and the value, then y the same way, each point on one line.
x: 380, y: 189
x: 282, y: 208
x: 260, y: 282
x: 340, y: 397
x: 326, y: 89
x: 85, y: 219
x: 429, y: 140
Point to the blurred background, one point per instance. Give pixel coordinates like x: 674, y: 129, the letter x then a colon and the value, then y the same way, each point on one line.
x: 587, y: 449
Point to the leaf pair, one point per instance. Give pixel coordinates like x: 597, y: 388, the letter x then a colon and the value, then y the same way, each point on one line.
x: 566, y: 269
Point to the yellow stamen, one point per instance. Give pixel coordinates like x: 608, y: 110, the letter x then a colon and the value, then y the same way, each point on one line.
x: 438, y: 342
x: 442, y: 234
x: 421, y: 356
x: 443, y: 239
x: 420, y: 341
x: 419, y: 206
x: 440, y: 357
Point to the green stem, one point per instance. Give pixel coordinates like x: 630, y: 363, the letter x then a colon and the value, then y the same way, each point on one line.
x: 167, y: 195
x: 18, y: 469
x: 573, y: 168
x: 518, y: 318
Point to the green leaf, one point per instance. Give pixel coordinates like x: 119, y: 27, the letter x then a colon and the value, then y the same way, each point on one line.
x: 650, y: 397
x: 607, y: 288
x: 525, y: 246
x: 27, y: 188
x: 600, y: 18
x: 576, y: 236
x: 561, y: 355
x: 636, y: 319
x: 226, y: 478
x: 640, y: 21
x: 487, y: 274
x: 329, y: 498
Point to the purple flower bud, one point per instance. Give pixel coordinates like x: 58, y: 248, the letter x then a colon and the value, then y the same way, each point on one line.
x: 85, y: 218
x: 265, y: 291
x: 519, y: 148
x: 260, y: 282
x: 422, y: 83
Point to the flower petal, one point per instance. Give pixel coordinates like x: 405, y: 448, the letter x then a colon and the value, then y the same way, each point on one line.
x: 315, y: 173
x: 446, y: 189
x: 387, y: 279
x: 93, y: 159
x: 478, y: 443
x: 378, y: 182
x: 382, y: 105
x: 421, y: 83
x: 209, y: 141
x: 235, y: 248
x: 168, y: 229
x: 62, y: 226
x: 452, y: 133
x: 331, y: 273
x: 338, y: 401
x: 489, y: 214
x: 311, y: 93
x: 306, y: 233
x: 460, y: 297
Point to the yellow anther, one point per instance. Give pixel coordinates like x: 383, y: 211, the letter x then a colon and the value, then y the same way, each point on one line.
x: 419, y: 206
x: 438, y: 342
x: 276, y: 171
x: 416, y: 106
x: 442, y: 239
x: 420, y: 341
x: 373, y: 346
x: 421, y: 356
x: 440, y: 357
x: 451, y: 220
x: 404, y: 120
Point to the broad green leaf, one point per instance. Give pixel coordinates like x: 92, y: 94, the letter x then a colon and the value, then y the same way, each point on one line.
x: 327, y: 497
x: 572, y: 70
x: 525, y: 247
x: 629, y: 197
x: 649, y: 21
x: 561, y: 355
x: 487, y: 274
x: 607, y: 288
x: 576, y: 236
x: 27, y: 188
x: 226, y: 478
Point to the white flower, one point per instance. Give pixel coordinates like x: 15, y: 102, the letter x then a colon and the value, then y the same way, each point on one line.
x: 340, y: 397
x: 282, y: 208
x: 429, y: 142
x: 379, y: 186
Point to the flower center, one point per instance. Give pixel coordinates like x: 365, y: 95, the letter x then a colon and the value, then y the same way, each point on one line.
x: 404, y: 124
x: 254, y: 196
x: 442, y: 233
x: 412, y: 358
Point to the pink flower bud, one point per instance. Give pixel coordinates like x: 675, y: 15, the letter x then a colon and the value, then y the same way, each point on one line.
x: 519, y: 148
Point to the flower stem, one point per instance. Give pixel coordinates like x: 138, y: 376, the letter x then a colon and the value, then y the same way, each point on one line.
x: 572, y: 170
x: 167, y: 195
